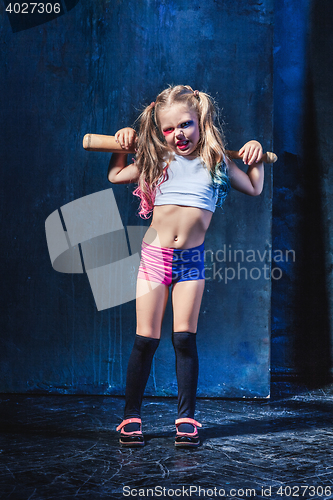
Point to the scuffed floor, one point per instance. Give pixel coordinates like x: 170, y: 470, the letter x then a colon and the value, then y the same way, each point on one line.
x: 66, y: 447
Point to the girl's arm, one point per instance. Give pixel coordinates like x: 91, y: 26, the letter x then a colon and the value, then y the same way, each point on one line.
x: 119, y: 172
x: 252, y: 181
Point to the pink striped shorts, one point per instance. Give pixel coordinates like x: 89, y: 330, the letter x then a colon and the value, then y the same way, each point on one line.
x: 171, y: 265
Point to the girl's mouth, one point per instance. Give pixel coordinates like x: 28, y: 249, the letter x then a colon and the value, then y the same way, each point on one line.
x: 182, y: 144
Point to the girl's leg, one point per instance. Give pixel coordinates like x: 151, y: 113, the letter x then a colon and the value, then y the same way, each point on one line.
x: 150, y: 306
x: 150, y: 310
x: 186, y: 300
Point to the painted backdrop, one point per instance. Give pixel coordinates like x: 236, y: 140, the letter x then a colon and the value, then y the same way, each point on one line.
x: 91, y: 69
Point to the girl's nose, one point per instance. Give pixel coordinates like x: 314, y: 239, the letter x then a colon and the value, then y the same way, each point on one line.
x: 180, y: 133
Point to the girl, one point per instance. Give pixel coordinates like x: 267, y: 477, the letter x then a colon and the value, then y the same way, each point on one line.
x: 182, y: 174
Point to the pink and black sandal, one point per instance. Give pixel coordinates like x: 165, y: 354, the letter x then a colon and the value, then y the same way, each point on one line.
x: 133, y: 438
x: 187, y: 439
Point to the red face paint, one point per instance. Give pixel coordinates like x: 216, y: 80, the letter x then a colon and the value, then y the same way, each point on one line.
x: 168, y: 131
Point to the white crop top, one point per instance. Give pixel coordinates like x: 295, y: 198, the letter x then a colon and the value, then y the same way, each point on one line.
x: 189, y: 184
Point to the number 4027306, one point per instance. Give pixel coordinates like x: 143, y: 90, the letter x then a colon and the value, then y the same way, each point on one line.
x: 304, y: 491
x: 33, y: 8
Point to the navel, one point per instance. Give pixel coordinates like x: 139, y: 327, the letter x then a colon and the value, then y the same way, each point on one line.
x: 176, y: 238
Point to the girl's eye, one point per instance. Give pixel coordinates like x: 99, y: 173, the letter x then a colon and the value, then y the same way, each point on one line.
x: 168, y: 131
x: 185, y: 124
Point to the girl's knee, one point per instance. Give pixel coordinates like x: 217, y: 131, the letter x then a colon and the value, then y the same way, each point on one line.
x: 185, y: 326
x: 152, y: 334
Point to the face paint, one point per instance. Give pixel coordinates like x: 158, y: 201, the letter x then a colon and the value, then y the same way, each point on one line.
x: 179, y: 125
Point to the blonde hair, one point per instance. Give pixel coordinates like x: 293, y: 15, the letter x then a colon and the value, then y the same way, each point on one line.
x: 154, y: 155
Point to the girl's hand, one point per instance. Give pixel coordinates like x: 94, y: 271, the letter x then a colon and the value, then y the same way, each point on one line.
x: 251, y: 152
x: 126, y: 137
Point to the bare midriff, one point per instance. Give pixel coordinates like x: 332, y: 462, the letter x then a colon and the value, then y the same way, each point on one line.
x: 175, y: 226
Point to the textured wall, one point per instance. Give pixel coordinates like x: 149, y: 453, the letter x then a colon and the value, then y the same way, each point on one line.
x: 91, y: 70
x: 302, y: 335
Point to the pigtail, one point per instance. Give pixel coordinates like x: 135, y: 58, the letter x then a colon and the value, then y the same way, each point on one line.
x: 151, y: 156
x: 211, y: 146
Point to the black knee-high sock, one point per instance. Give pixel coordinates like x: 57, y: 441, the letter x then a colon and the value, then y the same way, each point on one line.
x: 138, y: 373
x: 187, y: 369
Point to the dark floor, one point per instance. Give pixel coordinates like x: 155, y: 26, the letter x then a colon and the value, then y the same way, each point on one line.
x: 66, y: 447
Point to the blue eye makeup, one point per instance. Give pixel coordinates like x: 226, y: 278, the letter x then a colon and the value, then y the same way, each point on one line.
x: 186, y: 124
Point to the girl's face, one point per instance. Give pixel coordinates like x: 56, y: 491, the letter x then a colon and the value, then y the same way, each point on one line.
x: 180, y: 127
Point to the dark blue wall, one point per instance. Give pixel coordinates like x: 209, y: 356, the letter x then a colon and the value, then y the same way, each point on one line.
x: 303, y: 127
x: 91, y: 70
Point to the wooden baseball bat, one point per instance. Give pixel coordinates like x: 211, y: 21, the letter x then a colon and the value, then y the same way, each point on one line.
x: 108, y: 144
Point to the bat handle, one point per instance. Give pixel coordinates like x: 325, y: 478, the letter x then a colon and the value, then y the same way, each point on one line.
x: 103, y: 143
x: 266, y: 158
